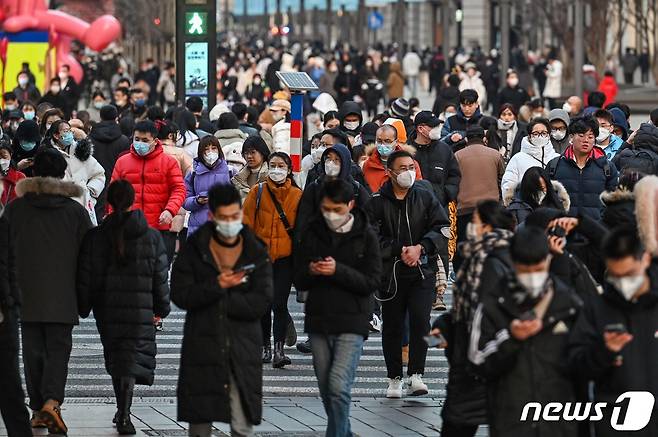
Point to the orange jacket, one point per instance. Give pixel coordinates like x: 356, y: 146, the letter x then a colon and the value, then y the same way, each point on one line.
x: 266, y: 222
x: 374, y: 170
x: 608, y: 86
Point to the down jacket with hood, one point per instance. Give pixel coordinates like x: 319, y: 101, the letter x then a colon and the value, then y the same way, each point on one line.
x: 228, y: 136
x: 309, y: 204
x: 585, y: 185
x: 48, y: 227
x: 86, y: 172
x: 591, y: 360
x: 222, y: 329
x: 440, y: 167
x: 109, y: 144
x: 157, y: 180
x: 529, y: 156
x: 522, y: 209
x: 642, y: 155
x: 264, y: 219
x: 197, y: 183
x: 125, y: 297
x: 619, y: 208
x: 8, y: 185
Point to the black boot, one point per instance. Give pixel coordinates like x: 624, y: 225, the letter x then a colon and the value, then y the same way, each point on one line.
x: 124, y: 425
x: 267, y: 353
x: 304, y: 347
x: 291, y: 333
x: 280, y: 359
x: 116, y: 383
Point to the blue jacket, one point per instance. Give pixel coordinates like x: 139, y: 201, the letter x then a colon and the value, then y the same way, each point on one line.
x: 613, y: 147
x: 197, y: 183
x: 458, y: 124
x: 585, y: 185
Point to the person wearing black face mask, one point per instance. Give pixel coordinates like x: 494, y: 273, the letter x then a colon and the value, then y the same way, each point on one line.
x: 519, y: 338
x: 614, y: 340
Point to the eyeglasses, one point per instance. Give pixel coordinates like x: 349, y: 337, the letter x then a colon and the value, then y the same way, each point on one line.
x: 403, y: 168
x: 539, y: 134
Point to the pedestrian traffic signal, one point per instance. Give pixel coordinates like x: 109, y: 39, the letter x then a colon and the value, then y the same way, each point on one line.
x: 196, y: 23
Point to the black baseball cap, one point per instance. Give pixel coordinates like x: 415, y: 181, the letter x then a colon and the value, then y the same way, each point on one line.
x: 427, y: 118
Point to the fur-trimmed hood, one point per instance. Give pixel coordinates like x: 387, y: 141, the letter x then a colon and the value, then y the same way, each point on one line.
x: 510, y: 194
x: 619, y: 195
x: 646, y: 212
x: 48, y: 186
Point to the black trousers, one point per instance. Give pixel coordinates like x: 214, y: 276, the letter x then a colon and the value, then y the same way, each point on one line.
x: 462, y: 221
x: 46, y: 353
x: 449, y: 429
x: 282, y: 278
x: 416, y: 298
x: 12, y: 398
x: 169, y: 239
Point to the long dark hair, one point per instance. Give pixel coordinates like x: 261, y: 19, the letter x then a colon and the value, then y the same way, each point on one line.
x: 288, y: 162
x: 530, y: 185
x: 120, y: 195
x: 494, y: 214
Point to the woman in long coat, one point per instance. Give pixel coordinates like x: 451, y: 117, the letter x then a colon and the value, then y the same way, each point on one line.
x: 122, y: 276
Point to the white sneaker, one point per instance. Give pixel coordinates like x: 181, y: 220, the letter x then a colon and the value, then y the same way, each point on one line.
x: 394, y: 390
x: 416, y: 386
x: 375, y: 324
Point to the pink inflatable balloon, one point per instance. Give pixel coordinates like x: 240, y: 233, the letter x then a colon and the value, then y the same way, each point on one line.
x: 102, y: 32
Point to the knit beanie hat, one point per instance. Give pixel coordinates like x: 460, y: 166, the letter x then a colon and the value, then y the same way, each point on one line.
x: 400, y: 108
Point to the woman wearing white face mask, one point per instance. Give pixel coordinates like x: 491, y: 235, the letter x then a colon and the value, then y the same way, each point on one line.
x: 209, y: 168
x: 270, y: 209
x: 486, y: 261
x: 510, y: 129
x: 536, y: 151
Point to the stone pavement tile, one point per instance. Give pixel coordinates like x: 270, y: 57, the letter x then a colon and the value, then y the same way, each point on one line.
x: 430, y: 415
x: 365, y: 430
x: 303, y: 415
x: 408, y: 422
x: 283, y: 421
x: 153, y: 418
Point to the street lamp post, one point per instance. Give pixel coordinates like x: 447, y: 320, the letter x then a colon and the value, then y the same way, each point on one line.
x: 446, y: 14
x: 504, y: 39
x: 579, y: 49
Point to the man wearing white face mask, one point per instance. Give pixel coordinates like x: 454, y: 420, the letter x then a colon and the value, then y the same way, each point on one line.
x: 409, y: 220
x: 614, y: 341
x: 223, y: 280
x: 610, y: 143
x: 520, y: 336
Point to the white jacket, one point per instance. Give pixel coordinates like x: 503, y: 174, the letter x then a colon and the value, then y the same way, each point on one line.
x: 553, y: 87
x: 411, y: 64
x: 529, y: 156
x: 83, y: 170
x: 281, y: 137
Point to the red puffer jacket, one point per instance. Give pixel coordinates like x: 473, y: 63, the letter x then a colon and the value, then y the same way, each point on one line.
x: 157, y: 180
x: 9, y: 181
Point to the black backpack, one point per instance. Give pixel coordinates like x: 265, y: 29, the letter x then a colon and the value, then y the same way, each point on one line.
x: 643, y: 160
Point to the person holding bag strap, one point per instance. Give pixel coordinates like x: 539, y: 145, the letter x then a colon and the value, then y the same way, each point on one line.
x: 270, y: 209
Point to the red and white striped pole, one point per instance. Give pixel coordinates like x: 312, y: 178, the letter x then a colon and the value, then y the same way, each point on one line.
x: 296, y: 130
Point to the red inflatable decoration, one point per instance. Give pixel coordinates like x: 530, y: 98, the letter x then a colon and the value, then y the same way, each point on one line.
x: 21, y: 15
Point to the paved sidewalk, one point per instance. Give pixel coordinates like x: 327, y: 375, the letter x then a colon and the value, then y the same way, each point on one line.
x: 295, y: 417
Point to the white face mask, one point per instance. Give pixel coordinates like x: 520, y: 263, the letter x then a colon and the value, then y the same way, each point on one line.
x: 447, y: 115
x: 335, y: 220
x: 513, y: 81
x: 331, y: 168
x: 348, y: 68
x: 4, y: 164
x: 211, y: 157
x: 540, y: 196
x: 435, y: 133
x: 472, y: 231
x: 406, y: 179
x: 540, y: 141
x: 567, y: 107
x: 351, y: 125
x: 534, y: 283
x: 228, y: 229
x: 316, y: 154
x: 505, y: 125
x: 604, y: 133
x: 277, y: 175
x: 628, y: 286
x: 558, y: 135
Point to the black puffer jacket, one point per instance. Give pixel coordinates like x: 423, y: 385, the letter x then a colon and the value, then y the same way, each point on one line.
x: 643, y: 153
x: 593, y: 361
x: 47, y: 229
x: 109, y: 144
x: 619, y: 208
x: 125, y: 296
x: 341, y: 303
x: 10, y: 298
x: 466, y: 400
x: 417, y: 219
x: 519, y: 372
x: 439, y: 166
x: 222, y: 329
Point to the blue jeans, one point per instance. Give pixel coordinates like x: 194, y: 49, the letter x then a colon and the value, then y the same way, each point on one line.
x: 335, y: 359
